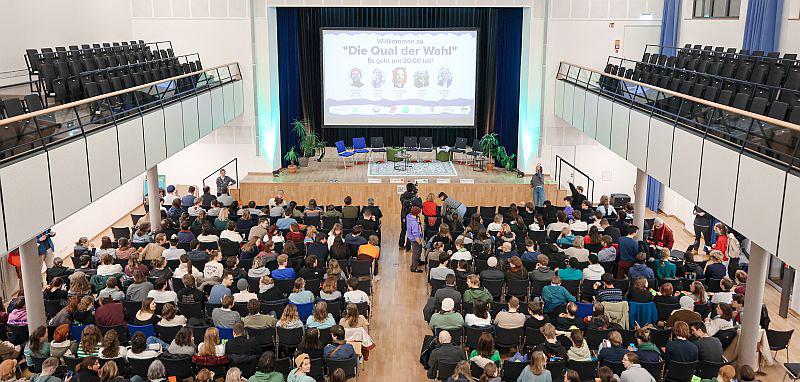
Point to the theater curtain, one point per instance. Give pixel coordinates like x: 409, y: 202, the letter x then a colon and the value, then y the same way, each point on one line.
x: 670, y: 20
x: 497, y: 98
x: 653, y: 194
x: 762, y: 25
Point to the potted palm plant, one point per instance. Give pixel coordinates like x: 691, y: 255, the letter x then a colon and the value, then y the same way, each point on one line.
x: 309, y: 141
x: 506, y: 160
x: 291, y: 157
x: 488, y: 144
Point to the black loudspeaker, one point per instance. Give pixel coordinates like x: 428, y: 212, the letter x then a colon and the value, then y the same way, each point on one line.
x: 619, y: 200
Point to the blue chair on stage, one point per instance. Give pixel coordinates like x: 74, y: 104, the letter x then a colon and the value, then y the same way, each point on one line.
x: 343, y: 153
x: 360, y: 147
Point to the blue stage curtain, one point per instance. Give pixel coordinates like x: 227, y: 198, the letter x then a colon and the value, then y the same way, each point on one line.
x: 497, y: 99
x: 289, y: 75
x: 670, y: 20
x: 763, y: 25
x: 653, y: 194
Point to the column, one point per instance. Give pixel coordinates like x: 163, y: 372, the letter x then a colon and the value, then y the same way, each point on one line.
x: 31, y: 266
x: 153, y: 199
x: 751, y: 329
x: 639, y: 199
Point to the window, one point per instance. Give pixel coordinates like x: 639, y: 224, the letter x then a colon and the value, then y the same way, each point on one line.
x: 716, y: 8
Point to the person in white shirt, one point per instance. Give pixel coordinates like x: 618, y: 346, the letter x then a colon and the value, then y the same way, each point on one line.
x: 496, y: 225
x: 353, y: 294
x: 213, y: 267
x: 230, y: 233
x: 172, y: 194
x: 243, y: 295
x: 725, y: 296
x: 207, y: 235
x: 173, y: 252
x: 594, y: 271
x: 160, y: 294
x: 461, y: 253
x: 559, y: 224
x: 107, y: 266
x: 480, y: 315
x: 170, y: 316
x: 273, y: 201
x: 578, y: 224
x: 215, y: 208
x: 196, y: 208
x: 577, y: 251
x: 225, y: 199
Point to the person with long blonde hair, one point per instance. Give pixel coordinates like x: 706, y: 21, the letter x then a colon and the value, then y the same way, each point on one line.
x: 321, y: 319
x: 353, y: 318
x: 211, y: 346
x: 233, y: 375
x: 537, y: 370
x: 290, y: 319
x: 461, y: 373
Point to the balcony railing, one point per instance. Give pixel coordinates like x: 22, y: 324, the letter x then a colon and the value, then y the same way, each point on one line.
x: 749, y: 133
x: 39, y: 130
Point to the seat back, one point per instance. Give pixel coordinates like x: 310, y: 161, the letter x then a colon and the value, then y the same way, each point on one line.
x: 340, y: 147
x: 586, y: 369
x: 508, y: 337
x: 359, y: 143
x: 779, y: 340
x: 461, y: 143
x: 147, y: 330
x: 512, y: 370
x: 426, y: 142
x: 410, y: 142
x: 680, y: 371
x: 376, y: 142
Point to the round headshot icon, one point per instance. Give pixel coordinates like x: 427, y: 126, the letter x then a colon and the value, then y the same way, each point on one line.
x: 399, y: 77
x: 421, y: 79
x: 355, y: 78
x: 445, y: 77
x: 377, y: 78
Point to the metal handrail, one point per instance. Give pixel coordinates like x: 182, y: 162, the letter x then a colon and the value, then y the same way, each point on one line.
x: 589, y: 183
x: 759, y: 117
x: 235, y: 162
x: 117, y: 93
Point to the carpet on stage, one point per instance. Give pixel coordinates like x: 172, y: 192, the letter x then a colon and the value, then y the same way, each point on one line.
x: 443, y: 169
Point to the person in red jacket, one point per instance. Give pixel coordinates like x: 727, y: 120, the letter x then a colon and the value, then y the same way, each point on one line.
x: 661, y: 234
x: 722, y: 239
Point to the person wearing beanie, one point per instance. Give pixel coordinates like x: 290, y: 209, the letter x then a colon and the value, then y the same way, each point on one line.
x: 302, y: 365
x: 447, y: 318
x: 172, y: 194
x: 686, y: 313
x: 414, y: 235
x: 493, y: 272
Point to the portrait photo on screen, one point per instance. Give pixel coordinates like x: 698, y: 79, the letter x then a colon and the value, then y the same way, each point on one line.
x: 400, y: 78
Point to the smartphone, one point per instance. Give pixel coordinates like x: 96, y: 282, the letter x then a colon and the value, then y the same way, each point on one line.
x: 632, y: 346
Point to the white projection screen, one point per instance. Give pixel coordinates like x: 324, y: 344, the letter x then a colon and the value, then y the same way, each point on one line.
x: 399, y: 78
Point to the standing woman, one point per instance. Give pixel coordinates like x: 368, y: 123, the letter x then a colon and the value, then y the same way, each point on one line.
x: 414, y: 235
x: 537, y: 184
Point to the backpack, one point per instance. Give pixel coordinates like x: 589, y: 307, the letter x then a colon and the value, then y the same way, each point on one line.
x: 734, y: 247
x: 428, y: 345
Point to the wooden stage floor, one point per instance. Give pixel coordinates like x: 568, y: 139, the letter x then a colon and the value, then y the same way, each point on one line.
x: 329, y: 182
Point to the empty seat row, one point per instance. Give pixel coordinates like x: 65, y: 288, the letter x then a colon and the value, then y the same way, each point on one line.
x: 34, y: 57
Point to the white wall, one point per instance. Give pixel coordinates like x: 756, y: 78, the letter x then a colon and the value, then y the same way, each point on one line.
x: 674, y: 204
x: 36, y: 24
x: 790, y: 27
x: 728, y: 33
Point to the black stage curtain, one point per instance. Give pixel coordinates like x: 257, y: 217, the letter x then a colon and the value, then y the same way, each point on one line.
x: 497, y: 103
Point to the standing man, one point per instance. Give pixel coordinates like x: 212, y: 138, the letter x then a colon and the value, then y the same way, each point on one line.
x: 46, y: 247
x: 702, y: 225
x: 223, y: 182
x: 414, y: 235
x: 408, y: 199
x: 537, y: 184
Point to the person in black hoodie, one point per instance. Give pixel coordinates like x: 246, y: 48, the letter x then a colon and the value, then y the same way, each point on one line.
x: 87, y: 370
x: 553, y: 349
x: 240, y: 344
x: 577, y: 195
x: 311, y: 271
x: 57, y: 270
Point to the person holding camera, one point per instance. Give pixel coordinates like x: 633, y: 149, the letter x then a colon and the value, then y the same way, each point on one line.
x: 408, y: 199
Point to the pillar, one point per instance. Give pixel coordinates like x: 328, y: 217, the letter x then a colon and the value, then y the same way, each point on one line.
x: 153, y: 199
x: 639, y: 199
x: 751, y: 329
x: 31, y: 265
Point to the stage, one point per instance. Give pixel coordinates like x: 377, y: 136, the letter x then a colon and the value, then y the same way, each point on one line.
x: 329, y: 182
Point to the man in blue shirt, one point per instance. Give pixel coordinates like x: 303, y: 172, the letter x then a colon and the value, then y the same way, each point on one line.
x: 628, y: 248
x: 555, y: 295
x: 286, y: 221
x: 414, y: 235
x: 188, y: 199
x: 221, y: 290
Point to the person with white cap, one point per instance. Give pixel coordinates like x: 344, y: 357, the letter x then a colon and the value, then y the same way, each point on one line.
x: 686, y: 313
x: 446, y: 352
x: 447, y: 318
x: 493, y: 272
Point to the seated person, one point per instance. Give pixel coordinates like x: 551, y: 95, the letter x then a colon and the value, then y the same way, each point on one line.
x: 542, y: 271
x: 493, y: 272
x: 666, y: 295
x: 221, y: 290
x: 579, y: 351
x: 353, y: 294
x: 511, y: 318
x: 440, y: 272
x: 640, y: 269
x: 339, y: 349
x: 566, y: 238
x: 161, y: 294
x: 368, y: 221
x: 555, y: 295
x: 445, y: 352
x: 646, y: 350
x: 639, y: 292
x: 225, y: 316
x: 447, y: 318
x: 485, y: 353
x: 321, y: 319
x: 565, y: 321
x: 709, y: 349
x: 299, y: 293
x: 551, y: 347
x: 612, y: 349
x: 608, y: 292
x: 680, y: 349
x: 572, y: 272
x: 475, y: 291
x: 283, y: 272
x: 685, y: 313
x: 240, y: 344
x: 480, y: 315
x: 255, y: 319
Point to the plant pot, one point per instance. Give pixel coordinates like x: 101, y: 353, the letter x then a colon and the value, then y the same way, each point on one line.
x: 292, y: 169
x: 490, y: 166
x: 303, y: 161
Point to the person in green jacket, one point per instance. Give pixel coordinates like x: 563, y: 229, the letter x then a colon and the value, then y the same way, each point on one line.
x: 447, y: 318
x: 302, y: 368
x: 266, y: 369
x: 475, y: 291
x: 555, y: 295
x: 663, y: 267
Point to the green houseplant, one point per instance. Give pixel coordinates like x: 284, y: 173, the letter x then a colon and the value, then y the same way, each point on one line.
x: 292, y: 158
x: 506, y: 160
x: 489, y: 144
x: 309, y: 141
